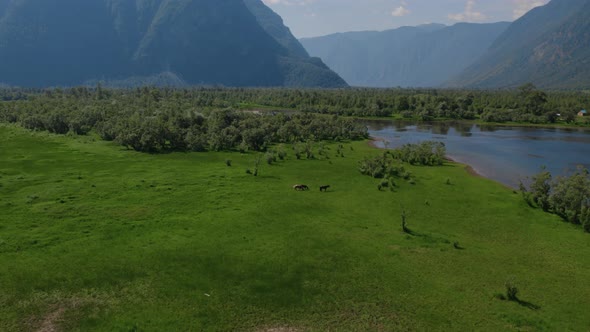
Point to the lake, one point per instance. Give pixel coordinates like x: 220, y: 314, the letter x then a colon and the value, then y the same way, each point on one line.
x: 502, y: 153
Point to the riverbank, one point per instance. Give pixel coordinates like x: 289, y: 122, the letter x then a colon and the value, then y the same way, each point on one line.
x: 583, y: 126
x: 374, y: 142
x: 505, y: 154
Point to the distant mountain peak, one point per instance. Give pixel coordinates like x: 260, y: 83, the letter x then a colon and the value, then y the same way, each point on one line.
x: 549, y: 46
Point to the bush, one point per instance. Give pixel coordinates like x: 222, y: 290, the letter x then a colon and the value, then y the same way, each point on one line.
x: 282, y: 154
x: 383, y: 184
x: 270, y: 157
x: 511, y: 290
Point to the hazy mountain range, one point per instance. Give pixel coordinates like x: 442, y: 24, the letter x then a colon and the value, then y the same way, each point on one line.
x: 549, y: 46
x: 422, y: 56
x: 229, y: 42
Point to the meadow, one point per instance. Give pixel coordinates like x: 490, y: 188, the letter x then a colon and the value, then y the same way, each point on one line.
x: 96, y: 237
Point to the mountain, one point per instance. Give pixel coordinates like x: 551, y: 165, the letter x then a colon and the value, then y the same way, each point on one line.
x: 196, y: 42
x: 422, y: 56
x: 549, y: 46
x: 272, y: 23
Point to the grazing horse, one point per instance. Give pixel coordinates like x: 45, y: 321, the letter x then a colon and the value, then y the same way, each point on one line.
x: 300, y: 187
x: 324, y: 188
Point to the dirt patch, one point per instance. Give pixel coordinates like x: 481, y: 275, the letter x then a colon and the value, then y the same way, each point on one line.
x: 472, y: 171
x: 280, y: 329
x: 373, y: 140
x: 372, y: 143
x: 51, y: 321
x: 58, y: 312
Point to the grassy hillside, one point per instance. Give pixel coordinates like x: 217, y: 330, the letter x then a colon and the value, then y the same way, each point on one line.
x: 95, y: 237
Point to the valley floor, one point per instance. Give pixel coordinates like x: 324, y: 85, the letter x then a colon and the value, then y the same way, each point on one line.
x: 94, y: 237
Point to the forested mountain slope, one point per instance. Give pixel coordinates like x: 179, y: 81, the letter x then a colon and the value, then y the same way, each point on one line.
x: 233, y: 43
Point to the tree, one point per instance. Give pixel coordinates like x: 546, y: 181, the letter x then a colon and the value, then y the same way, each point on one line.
x: 540, y: 189
x: 403, y: 104
x: 534, y: 100
x: 570, y: 196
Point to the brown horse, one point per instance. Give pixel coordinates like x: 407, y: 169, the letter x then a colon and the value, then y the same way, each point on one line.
x: 324, y: 188
x: 300, y: 187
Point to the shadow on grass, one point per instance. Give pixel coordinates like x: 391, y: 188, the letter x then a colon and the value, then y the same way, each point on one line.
x: 527, y: 304
x: 427, y: 237
x: 457, y: 246
x: 410, y: 232
x: 520, y: 302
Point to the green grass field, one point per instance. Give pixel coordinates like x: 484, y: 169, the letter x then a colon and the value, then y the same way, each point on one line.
x: 94, y: 237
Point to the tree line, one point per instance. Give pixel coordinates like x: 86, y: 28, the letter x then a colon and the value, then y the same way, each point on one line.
x: 154, y: 120
x: 526, y: 104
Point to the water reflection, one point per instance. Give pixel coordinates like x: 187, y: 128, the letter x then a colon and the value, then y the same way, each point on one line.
x: 503, y: 153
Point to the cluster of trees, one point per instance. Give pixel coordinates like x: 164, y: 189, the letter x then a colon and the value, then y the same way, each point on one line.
x: 526, y: 104
x: 427, y: 153
x: 386, y: 168
x: 383, y: 166
x: 152, y: 120
x: 566, y: 196
x: 389, y: 165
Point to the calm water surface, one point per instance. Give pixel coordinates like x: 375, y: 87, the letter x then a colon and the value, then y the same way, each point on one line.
x: 505, y: 154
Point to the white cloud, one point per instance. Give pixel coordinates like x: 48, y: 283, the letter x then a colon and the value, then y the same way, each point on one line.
x: 400, y: 11
x: 523, y: 6
x: 469, y: 14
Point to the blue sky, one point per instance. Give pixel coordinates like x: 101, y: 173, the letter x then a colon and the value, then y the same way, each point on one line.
x: 308, y: 18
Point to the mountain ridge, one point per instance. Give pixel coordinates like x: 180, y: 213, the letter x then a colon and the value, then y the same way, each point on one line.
x: 199, y: 42
x: 422, y: 56
x: 537, y: 48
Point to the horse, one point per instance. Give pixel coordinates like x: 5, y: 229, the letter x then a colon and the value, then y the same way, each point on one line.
x: 300, y: 187
x: 324, y: 188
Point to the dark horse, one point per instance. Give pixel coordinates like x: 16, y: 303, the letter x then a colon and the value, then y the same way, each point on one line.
x: 324, y: 188
x: 300, y: 187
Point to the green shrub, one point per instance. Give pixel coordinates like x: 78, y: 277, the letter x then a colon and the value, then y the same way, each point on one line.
x: 511, y: 290
x: 282, y: 154
x: 270, y: 158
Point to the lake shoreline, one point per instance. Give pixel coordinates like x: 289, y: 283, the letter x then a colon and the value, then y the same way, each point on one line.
x: 372, y: 142
x: 483, y: 123
x: 507, y: 155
